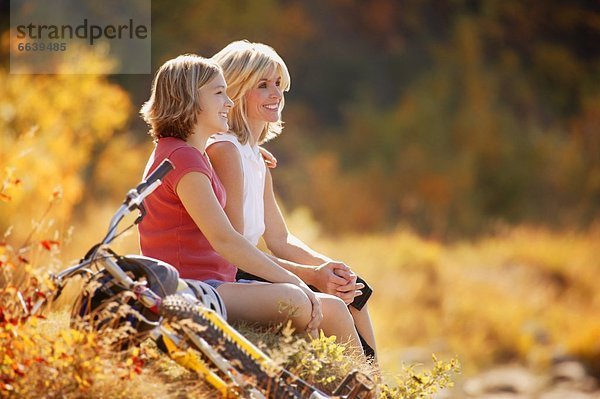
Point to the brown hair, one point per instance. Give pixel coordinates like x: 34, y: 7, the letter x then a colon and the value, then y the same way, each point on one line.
x: 174, y: 104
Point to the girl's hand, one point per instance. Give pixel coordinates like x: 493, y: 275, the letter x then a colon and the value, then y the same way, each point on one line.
x: 269, y: 158
x: 317, y: 311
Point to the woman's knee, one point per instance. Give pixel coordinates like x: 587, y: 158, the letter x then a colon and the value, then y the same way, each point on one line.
x: 334, y: 307
x: 332, y: 301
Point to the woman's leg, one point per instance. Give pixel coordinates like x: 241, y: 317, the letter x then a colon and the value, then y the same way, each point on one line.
x: 337, y: 321
x: 266, y: 303
x: 362, y: 321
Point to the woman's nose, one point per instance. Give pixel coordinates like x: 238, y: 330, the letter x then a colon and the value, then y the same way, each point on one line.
x: 276, y: 92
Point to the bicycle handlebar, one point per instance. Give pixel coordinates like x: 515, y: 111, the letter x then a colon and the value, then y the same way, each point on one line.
x: 165, y: 167
x: 136, y: 196
x: 132, y: 201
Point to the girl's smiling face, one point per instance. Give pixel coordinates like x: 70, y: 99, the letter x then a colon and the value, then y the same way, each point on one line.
x: 215, y: 106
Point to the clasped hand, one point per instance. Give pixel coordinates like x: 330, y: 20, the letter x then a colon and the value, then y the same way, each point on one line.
x: 336, y: 278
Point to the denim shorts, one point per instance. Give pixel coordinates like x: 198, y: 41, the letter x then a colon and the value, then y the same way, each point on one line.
x: 217, y: 283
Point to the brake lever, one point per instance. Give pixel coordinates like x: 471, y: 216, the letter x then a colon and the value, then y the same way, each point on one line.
x: 142, y: 214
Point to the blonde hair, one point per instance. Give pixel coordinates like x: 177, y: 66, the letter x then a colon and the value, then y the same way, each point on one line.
x: 244, y: 64
x: 174, y: 104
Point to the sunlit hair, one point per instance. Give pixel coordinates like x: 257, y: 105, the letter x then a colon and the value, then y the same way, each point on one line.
x: 244, y: 64
x: 173, y: 107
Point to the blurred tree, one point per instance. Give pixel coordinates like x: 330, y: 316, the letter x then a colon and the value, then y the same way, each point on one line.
x: 467, y: 113
x: 450, y: 116
x: 56, y: 132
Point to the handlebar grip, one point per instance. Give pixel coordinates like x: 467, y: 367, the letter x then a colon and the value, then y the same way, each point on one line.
x: 165, y: 167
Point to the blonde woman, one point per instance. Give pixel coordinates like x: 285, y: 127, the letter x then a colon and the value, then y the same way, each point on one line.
x: 186, y: 225
x: 257, y: 77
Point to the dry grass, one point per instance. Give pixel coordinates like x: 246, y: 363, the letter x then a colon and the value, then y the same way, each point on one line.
x: 45, y: 357
x: 525, y: 295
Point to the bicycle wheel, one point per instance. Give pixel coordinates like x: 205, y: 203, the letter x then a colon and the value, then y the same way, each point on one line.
x: 103, y: 304
x: 259, y: 371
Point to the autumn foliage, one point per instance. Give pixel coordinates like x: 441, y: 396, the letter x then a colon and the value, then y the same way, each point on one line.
x: 448, y: 151
x: 59, y: 137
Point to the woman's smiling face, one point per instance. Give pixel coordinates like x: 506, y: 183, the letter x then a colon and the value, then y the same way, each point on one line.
x: 264, y: 100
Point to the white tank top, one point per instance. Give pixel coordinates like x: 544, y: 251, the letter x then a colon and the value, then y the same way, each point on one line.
x: 254, y: 171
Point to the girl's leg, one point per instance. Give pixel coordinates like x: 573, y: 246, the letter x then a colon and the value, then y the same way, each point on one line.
x: 266, y: 303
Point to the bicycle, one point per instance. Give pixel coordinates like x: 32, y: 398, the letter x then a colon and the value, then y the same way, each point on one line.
x: 192, y: 330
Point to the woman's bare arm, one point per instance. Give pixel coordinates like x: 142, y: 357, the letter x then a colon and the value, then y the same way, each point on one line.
x: 328, y: 276
x: 280, y: 241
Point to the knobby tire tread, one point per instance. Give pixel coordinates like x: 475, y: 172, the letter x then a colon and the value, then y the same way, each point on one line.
x: 177, y: 308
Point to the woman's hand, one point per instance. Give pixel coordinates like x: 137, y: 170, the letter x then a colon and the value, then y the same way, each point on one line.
x: 269, y: 158
x: 336, y: 278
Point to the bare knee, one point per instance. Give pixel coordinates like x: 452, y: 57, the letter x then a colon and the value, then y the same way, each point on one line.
x: 334, y: 306
x: 294, y: 304
x: 337, y: 316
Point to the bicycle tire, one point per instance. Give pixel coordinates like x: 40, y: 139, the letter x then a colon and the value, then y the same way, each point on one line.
x: 100, y: 294
x: 279, y: 385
